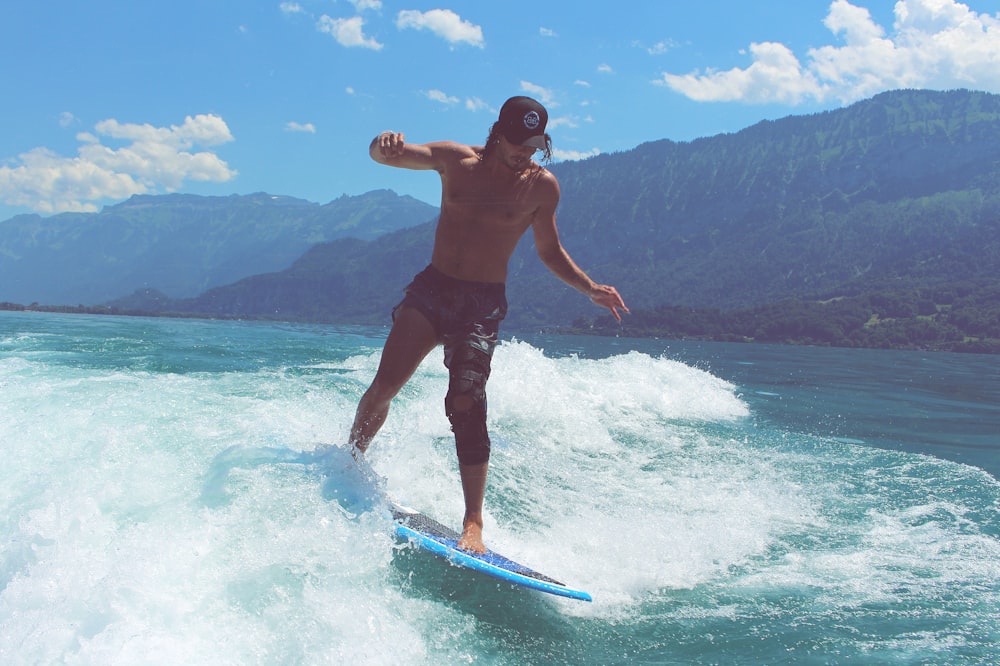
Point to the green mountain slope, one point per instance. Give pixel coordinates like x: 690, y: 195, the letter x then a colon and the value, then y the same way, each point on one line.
x: 789, y: 207
x: 899, y: 190
x: 872, y: 225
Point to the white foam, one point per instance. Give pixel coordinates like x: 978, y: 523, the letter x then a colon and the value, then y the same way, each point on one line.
x: 129, y: 536
x: 601, y: 471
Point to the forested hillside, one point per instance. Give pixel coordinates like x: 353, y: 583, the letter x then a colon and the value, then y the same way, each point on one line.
x: 875, y: 225
x: 903, y: 185
x: 956, y: 316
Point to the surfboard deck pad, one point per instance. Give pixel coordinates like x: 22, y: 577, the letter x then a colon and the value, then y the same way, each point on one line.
x: 428, y: 534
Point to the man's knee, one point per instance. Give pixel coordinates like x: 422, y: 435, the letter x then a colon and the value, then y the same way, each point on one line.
x: 465, y: 406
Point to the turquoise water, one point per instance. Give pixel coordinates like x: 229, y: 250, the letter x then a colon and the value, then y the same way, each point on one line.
x: 169, y: 495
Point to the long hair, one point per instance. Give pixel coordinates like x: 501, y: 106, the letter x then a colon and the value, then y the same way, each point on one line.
x: 494, y: 138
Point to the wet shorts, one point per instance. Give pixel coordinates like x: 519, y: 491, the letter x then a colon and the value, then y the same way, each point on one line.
x: 466, y: 316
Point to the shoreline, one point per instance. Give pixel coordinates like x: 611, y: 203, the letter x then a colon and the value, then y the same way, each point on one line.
x: 987, y: 346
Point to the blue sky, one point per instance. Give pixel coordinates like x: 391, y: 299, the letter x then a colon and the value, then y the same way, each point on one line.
x: 103, y: 99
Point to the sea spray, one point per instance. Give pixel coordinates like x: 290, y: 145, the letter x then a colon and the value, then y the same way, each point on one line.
x: 146, y: 518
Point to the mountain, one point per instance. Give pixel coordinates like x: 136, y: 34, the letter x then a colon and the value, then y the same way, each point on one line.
x: 901, y: 190
x: 181, y: 244
x: 875, y: 224
x: 346, y: 281
x: 790, y: 207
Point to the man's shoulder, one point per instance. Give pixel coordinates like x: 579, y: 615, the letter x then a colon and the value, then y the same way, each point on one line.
x: 455, y: 148
x: 545, y: 174
x: 545, y: 180
x: 451, y: 155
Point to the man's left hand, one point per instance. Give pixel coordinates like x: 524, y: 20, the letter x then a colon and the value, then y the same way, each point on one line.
x: 608, y: 297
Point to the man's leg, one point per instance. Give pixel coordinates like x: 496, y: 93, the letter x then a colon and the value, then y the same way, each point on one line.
x: 474, y: 488
x: 412, y: 337
x: 468, y: 362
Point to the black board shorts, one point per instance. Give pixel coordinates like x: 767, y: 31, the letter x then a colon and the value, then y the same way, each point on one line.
x: 466, y: 317
x: 461, y: 311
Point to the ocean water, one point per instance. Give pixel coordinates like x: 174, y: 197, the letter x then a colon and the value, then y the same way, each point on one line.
x: 173, y: 492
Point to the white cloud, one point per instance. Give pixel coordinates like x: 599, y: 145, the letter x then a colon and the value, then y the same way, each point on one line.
x: 660, y: 48
x: 442, y: 22
x: 439, y: 96
x: 66, y: 119
x: 348, y: 32
x: 362, y: 5
x: 293, y: 126
x: 581, y: 82
x: 572, y: 155
x: 569, y: 121
x: 543, y: 95
x: 290, y: 8
x: 774, y: 76
x: 562, y: 121
x: 476, y: 104
x: 605, y: 68
x: 933, y: 44
x: 152, y: 159
x: 205, y: 129
x: 547, y: 32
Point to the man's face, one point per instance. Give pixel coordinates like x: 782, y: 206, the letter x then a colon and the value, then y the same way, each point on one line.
x: 517, y: 158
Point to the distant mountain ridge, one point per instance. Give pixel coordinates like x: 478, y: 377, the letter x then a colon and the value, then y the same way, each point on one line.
x: 788, y: 207
x: 901, y: 191
x: 181, y: 244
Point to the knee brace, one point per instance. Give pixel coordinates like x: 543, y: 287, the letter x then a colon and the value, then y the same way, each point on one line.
x: 465, y: 406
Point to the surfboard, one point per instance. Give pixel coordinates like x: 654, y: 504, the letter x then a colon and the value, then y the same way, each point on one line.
x: 430, y: 535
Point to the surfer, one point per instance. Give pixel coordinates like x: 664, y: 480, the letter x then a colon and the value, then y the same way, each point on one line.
x: 490, y: 196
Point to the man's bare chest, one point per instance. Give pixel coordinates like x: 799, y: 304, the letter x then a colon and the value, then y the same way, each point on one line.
x: 489, y: 202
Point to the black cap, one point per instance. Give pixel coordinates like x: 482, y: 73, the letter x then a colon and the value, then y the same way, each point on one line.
x: 522, y: 122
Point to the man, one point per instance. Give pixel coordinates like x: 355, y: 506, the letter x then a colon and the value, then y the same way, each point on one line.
x: 490, y: 196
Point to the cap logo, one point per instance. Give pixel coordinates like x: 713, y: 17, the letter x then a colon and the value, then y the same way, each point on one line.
x: 531, y: 120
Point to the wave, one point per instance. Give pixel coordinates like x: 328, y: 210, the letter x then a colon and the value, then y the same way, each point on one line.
x: 205, y: 516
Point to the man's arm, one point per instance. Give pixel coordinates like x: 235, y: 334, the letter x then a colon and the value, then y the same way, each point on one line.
x: 391, y: 149
x: 557, y: 259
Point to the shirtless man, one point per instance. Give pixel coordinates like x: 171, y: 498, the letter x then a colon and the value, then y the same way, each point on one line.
x: 490, y: 196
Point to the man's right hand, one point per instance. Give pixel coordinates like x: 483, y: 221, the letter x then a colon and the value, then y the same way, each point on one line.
x: 387, y: 145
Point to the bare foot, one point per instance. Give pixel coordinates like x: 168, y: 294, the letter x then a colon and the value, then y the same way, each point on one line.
x: 472, y: 538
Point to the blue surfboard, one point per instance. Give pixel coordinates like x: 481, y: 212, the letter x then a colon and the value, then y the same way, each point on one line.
x: 430, y: 535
